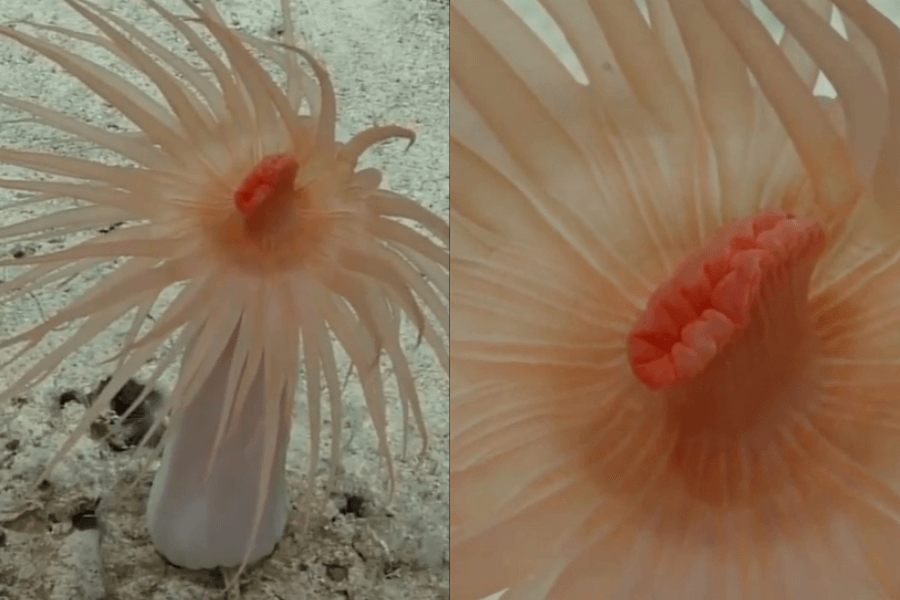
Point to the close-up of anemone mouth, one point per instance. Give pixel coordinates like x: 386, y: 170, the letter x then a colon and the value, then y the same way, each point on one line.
x: 676, y: 272
x: 243, y: 244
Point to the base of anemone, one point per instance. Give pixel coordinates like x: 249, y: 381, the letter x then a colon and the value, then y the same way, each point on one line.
x: 201, y: 518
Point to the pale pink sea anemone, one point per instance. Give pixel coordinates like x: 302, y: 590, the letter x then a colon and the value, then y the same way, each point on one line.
x: 233, y: 192
x: 676, y: 325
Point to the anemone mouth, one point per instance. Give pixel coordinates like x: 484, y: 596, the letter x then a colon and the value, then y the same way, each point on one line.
x: 265, y: 197
x: 730, y: 345
x: 281, y: 215
x: 731, y: 330
x: 269, y: 183
x: 748, y: 285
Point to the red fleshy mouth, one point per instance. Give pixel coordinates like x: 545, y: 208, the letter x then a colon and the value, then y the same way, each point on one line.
x: 751, y: 279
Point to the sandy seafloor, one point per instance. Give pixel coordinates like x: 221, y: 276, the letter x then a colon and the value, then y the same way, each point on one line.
x: 540, y: 22
x: 82, y: 536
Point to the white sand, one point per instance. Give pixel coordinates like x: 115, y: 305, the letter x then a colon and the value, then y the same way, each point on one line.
x: 389, y: 63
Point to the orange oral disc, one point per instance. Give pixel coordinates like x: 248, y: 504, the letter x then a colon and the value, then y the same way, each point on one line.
x: 714, y: 294
x: 271, y: 177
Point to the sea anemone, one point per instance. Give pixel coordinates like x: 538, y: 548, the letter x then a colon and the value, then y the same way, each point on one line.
x: 258, y: 244
x: 676, y: 327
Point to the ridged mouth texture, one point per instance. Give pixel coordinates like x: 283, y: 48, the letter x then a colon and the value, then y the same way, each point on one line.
x: 734, y: 310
